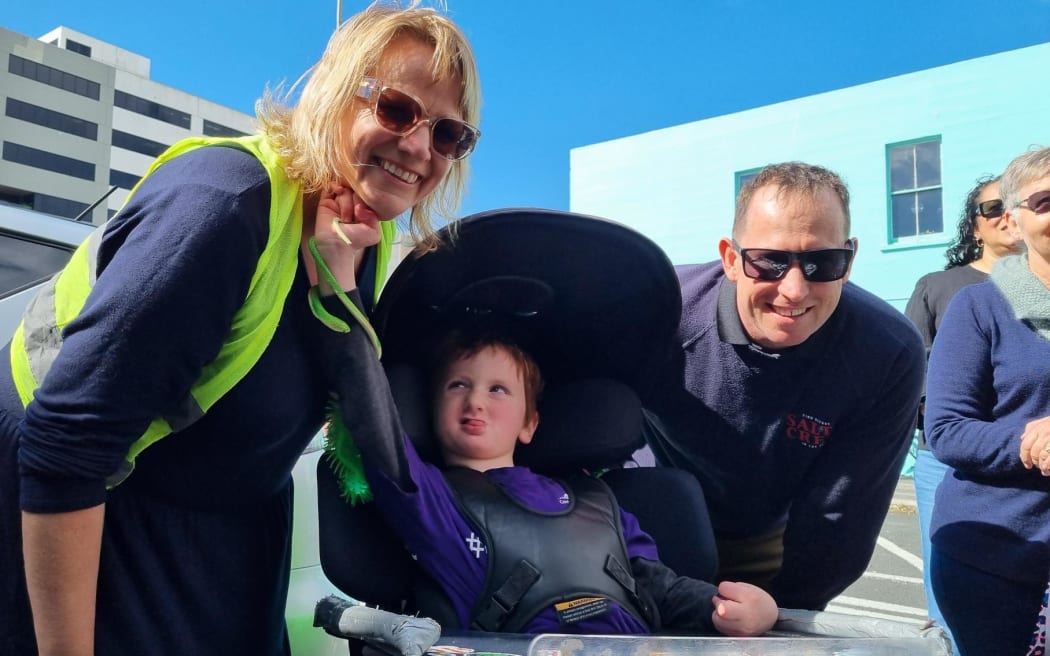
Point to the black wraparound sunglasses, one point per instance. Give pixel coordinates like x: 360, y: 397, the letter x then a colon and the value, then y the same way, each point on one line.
x: 991, y: 209
x: 824, y: 265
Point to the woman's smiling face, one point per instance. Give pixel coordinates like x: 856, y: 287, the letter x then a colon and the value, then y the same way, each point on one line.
x: 392, y: 173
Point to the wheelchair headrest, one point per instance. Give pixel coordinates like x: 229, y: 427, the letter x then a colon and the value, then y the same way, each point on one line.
x: 544, y: 278
x: 589, y: 423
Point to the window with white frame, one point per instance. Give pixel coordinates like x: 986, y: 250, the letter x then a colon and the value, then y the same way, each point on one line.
x: 916, y: 205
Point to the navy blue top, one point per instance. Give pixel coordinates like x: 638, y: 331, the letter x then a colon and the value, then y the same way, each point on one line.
x: 987, y: 379
x: 196, y: 542
x: 929, y: 300
x: 811, y: 438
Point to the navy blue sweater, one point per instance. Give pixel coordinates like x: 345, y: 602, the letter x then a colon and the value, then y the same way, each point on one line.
x: 988, y: 377
x: 811, y: 438
x: 196, y: 543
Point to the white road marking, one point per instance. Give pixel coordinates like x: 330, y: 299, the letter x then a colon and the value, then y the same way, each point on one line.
x: 864, y: 605
x: 893, y: 577
x: 901, y: 552
x: 846, y: 610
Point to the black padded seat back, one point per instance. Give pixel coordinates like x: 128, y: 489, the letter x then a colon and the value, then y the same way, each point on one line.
x: 585, y: 424
x: 669, y: 504
x: 413, y: 397
x: 360, y: 555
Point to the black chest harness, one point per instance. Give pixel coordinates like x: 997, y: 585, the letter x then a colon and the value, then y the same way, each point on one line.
x: 574, y: 559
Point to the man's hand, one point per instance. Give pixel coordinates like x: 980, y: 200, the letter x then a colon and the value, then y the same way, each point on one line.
x: 742, y: 609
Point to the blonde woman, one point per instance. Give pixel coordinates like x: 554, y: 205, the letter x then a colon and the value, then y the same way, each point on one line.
x: 160, y: 393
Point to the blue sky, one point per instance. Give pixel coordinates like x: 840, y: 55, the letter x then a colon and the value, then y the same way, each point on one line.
x: 557, y: 74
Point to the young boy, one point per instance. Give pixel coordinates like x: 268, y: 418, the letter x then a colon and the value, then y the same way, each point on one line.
x: 485, y: 393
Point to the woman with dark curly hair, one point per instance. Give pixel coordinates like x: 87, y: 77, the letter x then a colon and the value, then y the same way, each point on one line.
x: 981, y: 239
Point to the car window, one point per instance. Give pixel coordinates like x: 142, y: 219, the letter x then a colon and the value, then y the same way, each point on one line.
x: 25, y: 262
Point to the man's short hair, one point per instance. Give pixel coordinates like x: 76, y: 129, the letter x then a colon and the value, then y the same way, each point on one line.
x: 1026, y: 167
x: 792, y: 178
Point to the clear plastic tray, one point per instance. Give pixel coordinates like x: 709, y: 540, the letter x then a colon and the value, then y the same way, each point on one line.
x: 568, y: 645
x: 797, y: 633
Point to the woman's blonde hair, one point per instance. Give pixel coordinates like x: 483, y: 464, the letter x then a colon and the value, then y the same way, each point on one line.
x: 307, y: 135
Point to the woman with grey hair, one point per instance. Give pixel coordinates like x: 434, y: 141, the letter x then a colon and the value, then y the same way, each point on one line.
x: 982, y: 237
x: 988, y: 418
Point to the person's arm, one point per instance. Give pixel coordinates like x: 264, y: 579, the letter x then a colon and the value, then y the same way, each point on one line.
x: 961, y: 427
x: 835, y: 520
x: 350, y: 360
x: 61, y: 563
x: 154, y: 317
x: 686, y: 604
x: 918, y: 311
x: 364, y: 400
x: 682, y: 603
x: 412, y: 495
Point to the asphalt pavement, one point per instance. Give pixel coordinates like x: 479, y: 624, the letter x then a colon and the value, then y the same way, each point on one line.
x: 904, y: 496
x: 892, y: 586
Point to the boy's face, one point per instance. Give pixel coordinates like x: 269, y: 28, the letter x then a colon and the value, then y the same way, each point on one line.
x: 479, y: 410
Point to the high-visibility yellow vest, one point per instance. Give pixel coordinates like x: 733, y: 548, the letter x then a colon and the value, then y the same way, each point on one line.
x: 39, y: 337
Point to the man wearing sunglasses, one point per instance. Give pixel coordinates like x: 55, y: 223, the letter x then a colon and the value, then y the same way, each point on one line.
x: 791, y: 395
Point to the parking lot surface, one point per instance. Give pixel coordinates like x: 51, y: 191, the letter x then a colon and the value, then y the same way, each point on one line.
x: 892, y: 586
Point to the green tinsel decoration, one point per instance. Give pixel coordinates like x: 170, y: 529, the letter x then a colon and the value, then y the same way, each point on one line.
x: 345, y: 459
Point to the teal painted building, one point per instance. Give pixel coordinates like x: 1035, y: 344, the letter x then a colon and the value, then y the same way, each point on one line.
x: 909, y: 147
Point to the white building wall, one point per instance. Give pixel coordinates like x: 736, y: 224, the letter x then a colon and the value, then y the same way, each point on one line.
x: 105, y: 53
x: 113, y: 69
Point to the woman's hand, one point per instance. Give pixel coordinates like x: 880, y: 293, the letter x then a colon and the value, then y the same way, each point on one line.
x: 343, y: 228
x: 1035, y: 445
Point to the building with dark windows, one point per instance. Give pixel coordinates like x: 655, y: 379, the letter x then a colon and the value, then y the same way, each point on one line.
x: 82, y: 119
x: 910, y: 147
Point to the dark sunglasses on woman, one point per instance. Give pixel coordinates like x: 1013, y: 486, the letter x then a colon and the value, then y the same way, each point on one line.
x: 991, y: 209
x: 1039, y: 202
x: 401, y: 113
x: 824, y: 265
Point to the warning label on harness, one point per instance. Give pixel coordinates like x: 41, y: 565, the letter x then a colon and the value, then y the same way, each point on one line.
x: 577, y: 610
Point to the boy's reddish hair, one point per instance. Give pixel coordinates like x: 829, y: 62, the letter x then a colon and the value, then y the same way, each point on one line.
x: 458, y: 345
